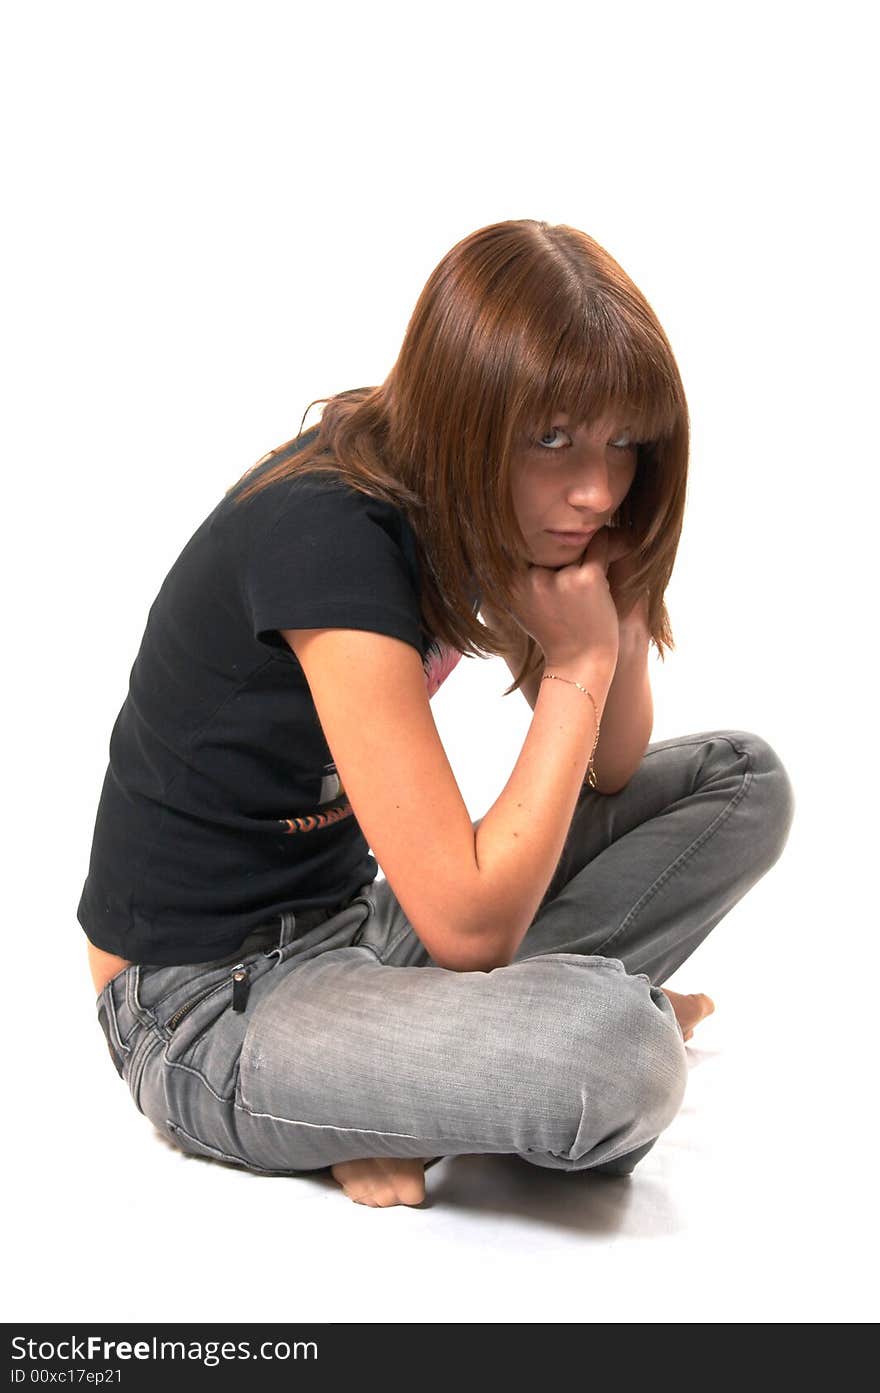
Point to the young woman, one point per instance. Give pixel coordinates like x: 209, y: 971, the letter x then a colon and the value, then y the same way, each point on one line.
x: 515, y: 487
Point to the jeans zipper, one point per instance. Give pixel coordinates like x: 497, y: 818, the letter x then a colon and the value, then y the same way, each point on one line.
x: 240, y: 979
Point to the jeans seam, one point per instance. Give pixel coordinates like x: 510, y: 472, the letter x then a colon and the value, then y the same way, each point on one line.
x: 675, y: 866
x: 114, y: 1024
x: 227, y: 1155
x: 150, y: 1044
x: 374, y: 951
x: 694, y: 741
x: 241, y: 1106
x: 570, y: 1165
x: 188, y: 1069
x: 389, y: 949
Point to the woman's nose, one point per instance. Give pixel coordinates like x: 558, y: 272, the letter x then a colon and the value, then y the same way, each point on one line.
x: 592, y: 490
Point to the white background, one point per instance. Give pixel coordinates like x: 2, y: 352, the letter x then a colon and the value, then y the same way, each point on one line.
x: 216, y: 212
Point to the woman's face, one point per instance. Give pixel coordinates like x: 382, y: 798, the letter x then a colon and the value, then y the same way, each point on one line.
x: 570, y: 479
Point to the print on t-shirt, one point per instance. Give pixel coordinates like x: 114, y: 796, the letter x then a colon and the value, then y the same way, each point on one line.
x: 330, y: 785
x: 331, y: 792
x: 438, y: 662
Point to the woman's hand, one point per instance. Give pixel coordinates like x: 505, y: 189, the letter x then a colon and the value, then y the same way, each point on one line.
x: 620, y: 568
x: 568, y: 610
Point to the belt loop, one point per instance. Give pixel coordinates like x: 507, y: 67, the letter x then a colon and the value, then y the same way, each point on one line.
x: 132, y: 979
x: 288, y: 925
x: 113, y: 1024
x: 115, y: 1054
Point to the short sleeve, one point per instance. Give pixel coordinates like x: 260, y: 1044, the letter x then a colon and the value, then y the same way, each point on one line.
x: 333, y: 558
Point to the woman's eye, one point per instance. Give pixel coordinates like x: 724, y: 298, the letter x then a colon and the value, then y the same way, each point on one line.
x: 621, y: 443
x: 551, y: 430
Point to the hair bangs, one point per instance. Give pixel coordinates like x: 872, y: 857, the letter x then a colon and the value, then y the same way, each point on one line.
x: 602, y: 365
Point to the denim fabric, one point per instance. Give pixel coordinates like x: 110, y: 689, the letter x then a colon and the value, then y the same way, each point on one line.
x: 353, y: 1042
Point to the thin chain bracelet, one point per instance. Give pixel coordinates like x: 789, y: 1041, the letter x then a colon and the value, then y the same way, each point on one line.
x: 591, y: 773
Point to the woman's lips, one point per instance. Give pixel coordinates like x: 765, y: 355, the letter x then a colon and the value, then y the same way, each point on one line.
x: 572, y: 538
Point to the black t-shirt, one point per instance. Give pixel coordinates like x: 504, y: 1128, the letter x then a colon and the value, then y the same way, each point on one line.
x: 221, y: 806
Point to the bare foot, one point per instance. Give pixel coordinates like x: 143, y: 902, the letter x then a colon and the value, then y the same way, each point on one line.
x: 380, y: 1181
x: 690, y: 1010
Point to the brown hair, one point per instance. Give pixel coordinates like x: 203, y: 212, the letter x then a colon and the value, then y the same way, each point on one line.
x: 519, y: 320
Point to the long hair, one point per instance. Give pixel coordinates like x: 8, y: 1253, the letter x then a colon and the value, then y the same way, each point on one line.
x: 521, y: 319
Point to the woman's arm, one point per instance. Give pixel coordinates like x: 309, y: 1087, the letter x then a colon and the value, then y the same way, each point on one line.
x: 628, y: 719
x: 470, y: 897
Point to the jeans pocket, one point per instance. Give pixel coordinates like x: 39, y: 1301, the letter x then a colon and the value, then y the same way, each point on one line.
x: 204, y: 1026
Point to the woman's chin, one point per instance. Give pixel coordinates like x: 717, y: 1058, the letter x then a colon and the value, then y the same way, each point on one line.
x: 555, y: 558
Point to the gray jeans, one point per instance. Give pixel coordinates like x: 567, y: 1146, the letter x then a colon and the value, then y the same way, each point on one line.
x: 333, y: 1035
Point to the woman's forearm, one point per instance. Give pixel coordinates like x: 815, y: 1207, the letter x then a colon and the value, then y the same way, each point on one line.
x: 628, y: 718
x: 520, y: 840
x: 629, y: 712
